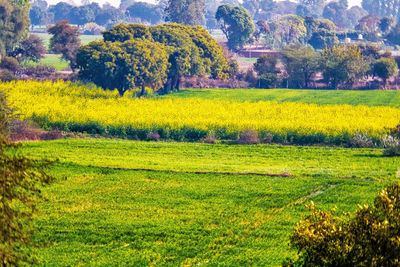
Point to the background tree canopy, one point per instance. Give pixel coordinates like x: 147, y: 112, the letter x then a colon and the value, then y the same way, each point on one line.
x: 236, y: 24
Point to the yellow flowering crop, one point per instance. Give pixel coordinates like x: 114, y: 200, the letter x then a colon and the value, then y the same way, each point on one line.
x: 70, y: 102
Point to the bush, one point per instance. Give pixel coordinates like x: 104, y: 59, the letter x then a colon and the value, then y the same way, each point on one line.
x: 20, y: 182
x: 7, y: 76
x: 391, y: 146
x: 92, y: 29
x: 9, y: 63
x: 370, y: 237
x: 153, y: 137
x: 248, y: 137
x: 362, y: 141
x: 40, y: 71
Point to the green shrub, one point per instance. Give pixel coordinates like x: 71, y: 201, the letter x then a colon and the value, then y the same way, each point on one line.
x: 20, y: 182
x: 9, y: 63
x: 7, y: 76
x: 370, y: 237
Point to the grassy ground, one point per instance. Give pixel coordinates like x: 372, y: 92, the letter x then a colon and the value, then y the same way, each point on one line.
x: 52, y: 60
x: 101, y: 211
x: 369, y: 98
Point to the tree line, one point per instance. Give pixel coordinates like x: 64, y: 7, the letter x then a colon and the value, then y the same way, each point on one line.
x: 341, y: 66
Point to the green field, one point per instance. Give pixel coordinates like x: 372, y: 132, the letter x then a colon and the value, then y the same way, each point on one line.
x: 52, y: 60
x: 368, y: 98
x: 85, y: 39
x: 184, y: 209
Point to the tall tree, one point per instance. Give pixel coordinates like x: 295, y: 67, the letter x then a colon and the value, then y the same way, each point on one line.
x: 314, y: 6
x: 65, y: 40
x: 30, y: 49
x: 236, y: 24
x: 336, y: 12
x: 145, y: 12
x: 61, y: 11
x: 14, y: 23
x: 382, y: 8
x: 301, y: 64
x: 189, y: 12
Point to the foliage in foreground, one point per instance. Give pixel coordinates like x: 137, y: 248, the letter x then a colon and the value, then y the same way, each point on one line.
x: 73, y: 107
x: 20, y: 181
x: 370, y: 237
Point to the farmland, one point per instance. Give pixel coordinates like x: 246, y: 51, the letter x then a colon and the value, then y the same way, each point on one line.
x: 104, y: 209
x: 74, y: 107
x: 320, y: 97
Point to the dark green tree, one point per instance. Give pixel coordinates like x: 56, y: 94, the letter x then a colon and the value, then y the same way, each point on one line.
x: 323, y: 39
x: 394, y: 35
x: 14, y: 23
x: 301, y: 64
x: 30, y: 49
x: 385, y: 68
x: 386, y: 24
x: 266, y: 68
x: 145, y: 12
x: 123, y: 66
x: 65, y: 40
x: 36, y: 15
x: 236, y: 24
x: 61, y: 11
x: 336, y: 12
x: 189, y: 12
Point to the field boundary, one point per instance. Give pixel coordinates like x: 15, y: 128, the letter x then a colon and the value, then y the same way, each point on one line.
x: 283, y: 175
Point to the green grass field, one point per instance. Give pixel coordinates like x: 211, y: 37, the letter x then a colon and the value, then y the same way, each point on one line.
x: 368, y: 98
x: 85, y: 39
x: 52, y: 60
x: 104, y: 209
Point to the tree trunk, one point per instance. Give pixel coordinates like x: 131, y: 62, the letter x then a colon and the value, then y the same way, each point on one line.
x: 143, y: 90
x: 178, y: 83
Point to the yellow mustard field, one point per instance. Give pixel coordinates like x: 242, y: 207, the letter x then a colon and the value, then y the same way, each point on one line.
x: 71, y: 102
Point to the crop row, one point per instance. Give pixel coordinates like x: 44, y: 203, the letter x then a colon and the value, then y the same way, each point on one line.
x: 80, y: 108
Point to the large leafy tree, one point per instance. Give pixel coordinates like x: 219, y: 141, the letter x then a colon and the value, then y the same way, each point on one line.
x: 65, y: 40
x: 123, y: 66
x: 286, y: 30
x: 190, y: 50
x: 30, y: 49
x: 385, y: 68
x: 14, y: 23
x: 236, y: 24
x: 336, y: 12
x: 189, y: 12
x: 61, y: 11
x: 342, y: 66
x: 301, y: 63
